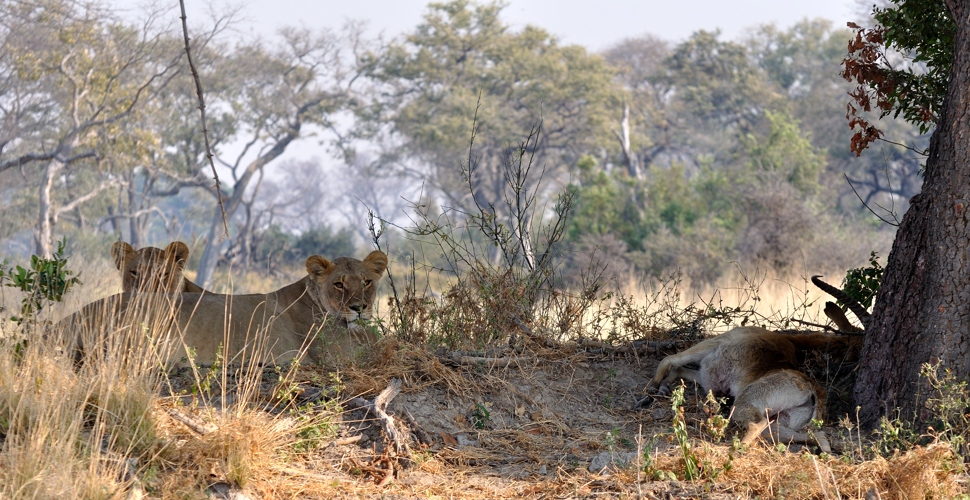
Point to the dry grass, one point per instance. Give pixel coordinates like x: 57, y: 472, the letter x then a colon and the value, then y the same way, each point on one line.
x: 240, y: 448
x: 118, y: 425
x: 761, y: 296
x: 413, y: 365
x: 239, y: 281
x: 100, y: 429
x: 922, y: 472
x: 68, y: 433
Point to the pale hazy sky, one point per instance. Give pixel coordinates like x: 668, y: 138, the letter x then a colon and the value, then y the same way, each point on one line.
x: 596, y: 25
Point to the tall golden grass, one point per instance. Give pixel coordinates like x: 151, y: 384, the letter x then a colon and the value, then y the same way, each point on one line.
x: 114, y: 426
x: 96, y: 422
x: 73, y: 433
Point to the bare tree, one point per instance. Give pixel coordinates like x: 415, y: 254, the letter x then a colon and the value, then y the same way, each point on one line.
x: 369, y: 186
x: 285, y: 91
x: 644, y: 130
x: 79, y: 75
x: 296, y: 203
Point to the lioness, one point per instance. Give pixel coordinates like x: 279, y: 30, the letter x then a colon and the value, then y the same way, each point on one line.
x: 314, y: 315
x: 759, y: 369
x: 151, y: 269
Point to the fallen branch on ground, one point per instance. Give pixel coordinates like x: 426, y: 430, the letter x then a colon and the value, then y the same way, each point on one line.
x: 200, y: 428
x: 379, y: 409
x: 346, y: 440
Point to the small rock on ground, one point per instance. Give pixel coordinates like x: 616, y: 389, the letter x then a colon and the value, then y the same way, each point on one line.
x: 607, y: 461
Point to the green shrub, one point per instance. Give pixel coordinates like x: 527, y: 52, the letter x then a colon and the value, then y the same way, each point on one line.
x: 45, y: 282
x: 862, y: 283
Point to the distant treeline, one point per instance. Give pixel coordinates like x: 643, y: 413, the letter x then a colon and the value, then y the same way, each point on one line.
x: 687, y: 155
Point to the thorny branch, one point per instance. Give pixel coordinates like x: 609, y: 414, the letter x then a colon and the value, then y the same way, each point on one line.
x: 376, y: 233
x: 205, y: 130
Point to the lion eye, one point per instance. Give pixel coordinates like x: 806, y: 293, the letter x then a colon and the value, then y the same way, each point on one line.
x: 338, y: 285
x: 134, y: 274
x: 367, y: 283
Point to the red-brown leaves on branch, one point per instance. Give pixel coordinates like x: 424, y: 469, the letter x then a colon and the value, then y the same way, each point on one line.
x: 881, y: 87
x: 862, y: 65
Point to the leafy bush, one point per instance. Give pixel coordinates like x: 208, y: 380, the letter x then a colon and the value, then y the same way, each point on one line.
x: 45, y: 282
x: 862, y: 283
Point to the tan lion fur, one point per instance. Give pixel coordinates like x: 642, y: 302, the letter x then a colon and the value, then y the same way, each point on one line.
x: 314, y: 315
x: 151, y: 269
x: 759, y: 369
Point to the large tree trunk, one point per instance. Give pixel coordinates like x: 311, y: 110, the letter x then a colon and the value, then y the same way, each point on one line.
x: 922, y: 310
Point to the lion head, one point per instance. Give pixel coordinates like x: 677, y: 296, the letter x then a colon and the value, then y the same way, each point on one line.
x: 346, y: 286
x: 151, y: 269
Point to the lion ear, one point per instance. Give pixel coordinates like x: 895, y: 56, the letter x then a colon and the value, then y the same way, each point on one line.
x: 178, y: 252
x: 121, y: 251
x: 376, y: 262
x: 317, y: 266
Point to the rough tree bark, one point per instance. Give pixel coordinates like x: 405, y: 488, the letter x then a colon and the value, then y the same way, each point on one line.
x: 922, y: 310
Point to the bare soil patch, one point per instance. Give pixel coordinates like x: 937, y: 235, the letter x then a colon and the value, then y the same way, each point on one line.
x: 529, y: 425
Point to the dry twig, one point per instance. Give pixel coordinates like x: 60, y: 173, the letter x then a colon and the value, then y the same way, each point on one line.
x: 199, y: 428
x: 205, y: 130
x: 637, y: 346
x: 347, y: 440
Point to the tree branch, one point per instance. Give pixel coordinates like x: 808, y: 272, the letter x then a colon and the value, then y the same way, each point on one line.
x: 139, y: 213
x: 205, y: 131
x: 25, y: 159
x: 867, y: 205
x: 81, y: 199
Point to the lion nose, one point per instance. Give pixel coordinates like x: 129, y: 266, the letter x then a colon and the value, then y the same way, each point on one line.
x: 357, y: 309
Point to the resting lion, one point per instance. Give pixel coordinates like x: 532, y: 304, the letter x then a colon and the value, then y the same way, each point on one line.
x: 759, y: 369
x: 315, y: 315
x: 151, y: 269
